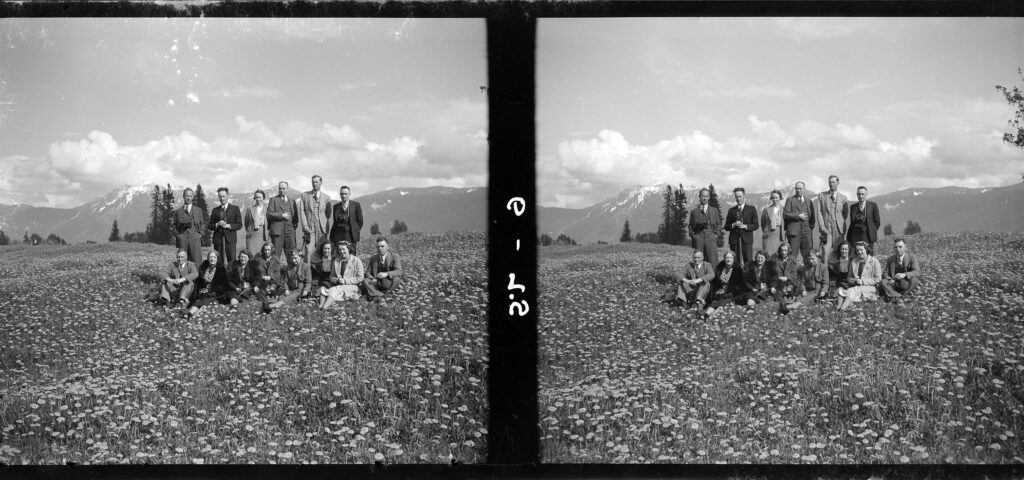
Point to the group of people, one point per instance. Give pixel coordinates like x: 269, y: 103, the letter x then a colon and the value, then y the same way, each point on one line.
x: 841, y: 266
x: 278, y: 273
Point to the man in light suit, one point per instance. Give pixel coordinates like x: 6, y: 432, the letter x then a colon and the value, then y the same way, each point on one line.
x: 179, y: 280
x: 741, y: 221
x: 798, y: 216
x: 313, y: 217
x: 901, y: 273
x: 345, y: 219
x: 864, y: 221
x: 705, y: 227
x: 694, y: 283
x: 383, y: 272
x: 225, y: 221
x: 283, y: 217
x: 189, y: 228
x: 832, y: 212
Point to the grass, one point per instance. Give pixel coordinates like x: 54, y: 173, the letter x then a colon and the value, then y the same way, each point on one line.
x: 90, y: 373
x: 937, y: 379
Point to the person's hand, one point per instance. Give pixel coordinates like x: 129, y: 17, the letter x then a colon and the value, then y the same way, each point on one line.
x: 784, y: 279
x: 382, y: 275
x: 287, y: 216
x: 266, y: 277
x: 306, y: 230
x: 803, y: 216
x: 901, y: 276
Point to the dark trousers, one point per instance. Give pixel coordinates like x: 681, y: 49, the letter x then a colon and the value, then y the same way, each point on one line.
x: 894, y: 288
x: 744, y: 252
x: 707, y: 242
x: 802, y: 243
x: 376, y: 287
x: 283, y: 244
x: 225, y: 250
x: 192, y: 243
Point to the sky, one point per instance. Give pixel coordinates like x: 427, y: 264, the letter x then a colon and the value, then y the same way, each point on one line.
x: 88, y: 105
x: 765, y: 102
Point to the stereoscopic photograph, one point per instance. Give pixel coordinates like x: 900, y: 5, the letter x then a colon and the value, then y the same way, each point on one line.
x: 232, y: 240
x: 780, y: 240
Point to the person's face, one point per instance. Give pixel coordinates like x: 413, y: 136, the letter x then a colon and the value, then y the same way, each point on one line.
x: 382, y: 247
x: 799, y: 189
x: 181, y: 257
x: 775, y: 198
x: 844, y: 251
x: 900, y: 248
x: 730, y: 259
x: 243, y: 258
x: 342, y: 251
x: 223, y: 197
x: 862, y: 194
x: 212, y: 257
x: 294, y: 258
x: 259, y: 198
x: 316, y: 183
x: 833, y: 183
x: 282, y: 188
x: 188, y: 196
x: 326, y: 250
x: 862, y: 251
x: 783, y: 251
x: 698, y: 257
x: 739, y: 197
x: 345, y: 194
x: 813, y: 259
x: 760, y: 259
x: 704, y: 197
x: 267, y: 250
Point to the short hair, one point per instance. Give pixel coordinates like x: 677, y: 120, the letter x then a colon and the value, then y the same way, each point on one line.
x: 800, y: 182
x: 729, y: 253
x: 813, y: 253
x: 268, y: 242
x: 381, y: 239
x: 898, y: 240
x: 316, y: 177
x: 186, y: 190
x: 348, y: 246
x: 839, y: 245
x: 245, y: 251
x: 830, y: 177
x: 225, y: 189
x: 862, y: 243
x: 761, y: 253
x: 739, y: 189
x: 212, y: 252
x: 180, y: 250
x: 781, y: 246
x: 703, y: 190
x: 701, y: 252
x: 285, y: 182
x: 862, y: 186
x: 344, y: 187
x: 258, y: 192
x: 775, y: 192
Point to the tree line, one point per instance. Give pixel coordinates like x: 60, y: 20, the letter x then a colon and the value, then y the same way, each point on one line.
x: 33, y: 239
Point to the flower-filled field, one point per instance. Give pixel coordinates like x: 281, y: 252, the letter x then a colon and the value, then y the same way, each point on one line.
x: 937, y: 378
x: 92, y: 373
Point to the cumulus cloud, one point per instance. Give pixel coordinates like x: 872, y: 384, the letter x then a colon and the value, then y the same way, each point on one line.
x: 585, y: 171
x: 257, y: 154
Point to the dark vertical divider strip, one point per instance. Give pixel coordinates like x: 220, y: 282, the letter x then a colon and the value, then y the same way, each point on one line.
x: 512, y: 373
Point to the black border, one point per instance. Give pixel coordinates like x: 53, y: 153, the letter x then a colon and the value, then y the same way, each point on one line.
x: 513, y: 443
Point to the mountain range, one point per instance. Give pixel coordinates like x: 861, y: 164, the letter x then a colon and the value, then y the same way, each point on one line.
x: 946, y: 209
x: 430, y: 209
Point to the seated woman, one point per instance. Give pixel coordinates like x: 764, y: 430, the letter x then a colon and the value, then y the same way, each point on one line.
x: 346, y: 275
x: 209, y: 286
x: 239, y: 280
x: 296, y: 280
x: 865, y: 274
x: 813, y: 281
x: 727, y: 287
x: 320, y: 266
x: 839, y: 267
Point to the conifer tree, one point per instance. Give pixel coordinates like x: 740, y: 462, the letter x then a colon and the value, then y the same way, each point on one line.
x: 200, y: 203
x: 152, y: 229
x: 115, y: 234
x: 627, y: 236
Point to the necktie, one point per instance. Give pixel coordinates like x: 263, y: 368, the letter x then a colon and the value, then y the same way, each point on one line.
x: 704, y: 209
x: 188, y: 209
x: 860, y: 270
x: 833, y: 197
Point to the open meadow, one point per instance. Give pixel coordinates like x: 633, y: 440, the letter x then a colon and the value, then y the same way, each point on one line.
x: 91, y: 373
x: 936, y: 379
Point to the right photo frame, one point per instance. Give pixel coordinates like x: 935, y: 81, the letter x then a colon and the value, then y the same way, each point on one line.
x: 780, y: 240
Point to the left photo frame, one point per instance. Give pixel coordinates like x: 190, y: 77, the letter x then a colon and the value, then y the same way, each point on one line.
x: 174, y: 195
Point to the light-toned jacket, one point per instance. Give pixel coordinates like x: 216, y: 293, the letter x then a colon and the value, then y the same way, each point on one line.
x: 872, y: 274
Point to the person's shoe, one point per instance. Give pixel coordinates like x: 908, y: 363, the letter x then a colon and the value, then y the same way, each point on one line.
x: 233, y: 309
x: 783, y: 309
x: 161, y: 302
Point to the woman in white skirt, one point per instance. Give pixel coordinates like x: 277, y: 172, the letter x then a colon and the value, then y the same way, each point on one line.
x: 865, y: 275
x: 346, y: 275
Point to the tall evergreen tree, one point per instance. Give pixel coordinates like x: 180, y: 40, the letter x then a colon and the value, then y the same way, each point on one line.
x: 4, y: 239
x: 152, y: 229
x: 679, y: 216
x: 26, y: 240
x: 713, y: 201
x: 200, y: 203
x: 168, y: 214
x: 668, y: 214
x: 115, y: 233
x: 627, y: 236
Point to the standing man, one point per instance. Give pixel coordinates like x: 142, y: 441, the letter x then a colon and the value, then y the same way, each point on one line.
x: 832, y: 213
x: 864, y: 221
x: 741, y: 221
x: 705, y: 227
x: 189, y: 228
x: 901, y: 272
x: 798, y: 215
x: 225, y: 221
x: 314, y: 217
x: 383, y: 272
x: 345, y: 220
x: 283, y: 218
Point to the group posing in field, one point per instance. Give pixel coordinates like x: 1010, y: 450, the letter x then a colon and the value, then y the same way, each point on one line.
x: 269, y: 267
x: 843, y: 268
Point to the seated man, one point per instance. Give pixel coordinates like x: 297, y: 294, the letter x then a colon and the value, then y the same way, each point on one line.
x: 178, y: 281
x: 296, y: 279
x: 814, y: 281
x: 784, y: 277
x: 266, y: 279
x: 695, y: 282
x: 901, y: 273
x: 383, y: 272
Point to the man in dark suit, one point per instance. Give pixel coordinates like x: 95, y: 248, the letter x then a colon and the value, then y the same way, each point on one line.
x: 798, y: 215
x: 346, y: 219
x: 384, y: 271
x: 179, y: 280
x: 189, y: 228
x: 694, y: 284
x: 901, y: 272
x: 225, y: 221
x: 705, y: 227
x: 741, y: 221
x: 864, y: 221
x: 283, y: 217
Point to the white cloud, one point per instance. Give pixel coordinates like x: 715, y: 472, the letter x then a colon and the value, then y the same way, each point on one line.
x: 249, y: 91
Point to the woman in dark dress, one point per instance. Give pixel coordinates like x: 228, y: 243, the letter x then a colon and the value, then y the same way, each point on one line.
x: 210, y: 285
x: 727, y: 287
x: 239, y: 281
x: 839, y: 267
x: 320, y: 267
